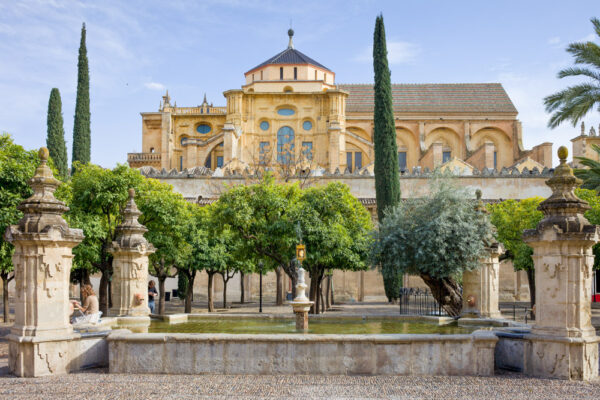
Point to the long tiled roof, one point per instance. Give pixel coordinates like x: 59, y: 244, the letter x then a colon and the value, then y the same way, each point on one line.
x: 434, y: 97
x: 291, y: 56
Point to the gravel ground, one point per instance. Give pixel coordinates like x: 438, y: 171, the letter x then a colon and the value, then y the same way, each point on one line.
x: 98, y: 384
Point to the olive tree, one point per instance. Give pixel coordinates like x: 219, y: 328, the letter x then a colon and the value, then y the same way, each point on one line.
x: 437, y: 237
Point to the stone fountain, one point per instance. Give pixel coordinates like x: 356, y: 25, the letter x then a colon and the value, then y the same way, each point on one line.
x: 301, y: 304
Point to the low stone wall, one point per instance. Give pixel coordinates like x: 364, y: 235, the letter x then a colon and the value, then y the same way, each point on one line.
x: 33, y: 357
x: 159, y: 353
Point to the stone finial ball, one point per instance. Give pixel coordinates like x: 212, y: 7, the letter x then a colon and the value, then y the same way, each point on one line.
x: 43, y: 154
x: 132, y: 193
x: 563, y: 152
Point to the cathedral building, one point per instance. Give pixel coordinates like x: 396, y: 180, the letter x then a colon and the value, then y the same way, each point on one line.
x: 290, y: 109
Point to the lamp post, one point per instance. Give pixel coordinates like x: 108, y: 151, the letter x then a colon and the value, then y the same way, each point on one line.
x: 260, y: 268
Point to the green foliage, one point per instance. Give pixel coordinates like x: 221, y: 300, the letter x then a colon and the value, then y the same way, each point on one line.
x: 182, y: 286
x: 81, y: 125
x: 591, y: 174
x: 440, y: 235
x: 335, y: 228
x: 213, y: 244
x: 511, y: 218
x: 17, y: 166
x: 574, y: 102
x: 166, y: 215
x: 55, y: 141
x: 96, y: 197
x: 387, y: 183
x: 260, y: 216
x: 592, y: 215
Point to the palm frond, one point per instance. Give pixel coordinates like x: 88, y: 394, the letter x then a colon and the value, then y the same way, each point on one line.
x: 575, y: 71
x: 572, y: 103
x: 587, y: 53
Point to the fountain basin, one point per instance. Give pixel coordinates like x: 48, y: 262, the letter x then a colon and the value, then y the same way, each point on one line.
x: 287, y: 354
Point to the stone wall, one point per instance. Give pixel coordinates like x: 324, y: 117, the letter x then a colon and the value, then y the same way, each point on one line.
x: 302, y: 354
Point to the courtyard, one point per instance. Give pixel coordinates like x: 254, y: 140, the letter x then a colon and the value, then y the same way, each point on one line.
x: 286, y: 232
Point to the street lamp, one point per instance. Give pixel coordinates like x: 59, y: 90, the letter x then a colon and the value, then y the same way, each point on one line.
x: 260, y: 268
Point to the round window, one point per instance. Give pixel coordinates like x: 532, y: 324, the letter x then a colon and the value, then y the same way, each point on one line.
x: 264, y: 125
x: 307, y: 125
x: 286, y: 111
x: 203, y: 129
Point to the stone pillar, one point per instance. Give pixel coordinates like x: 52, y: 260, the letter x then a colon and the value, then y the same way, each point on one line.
x: 39, y: 339
x: 130, y: 252
x: 481, y: 286
x: 563, y: 342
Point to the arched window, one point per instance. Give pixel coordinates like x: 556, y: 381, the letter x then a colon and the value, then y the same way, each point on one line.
x: 285, y: 145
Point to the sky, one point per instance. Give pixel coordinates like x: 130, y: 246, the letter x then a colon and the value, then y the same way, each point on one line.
x: 138, y: 49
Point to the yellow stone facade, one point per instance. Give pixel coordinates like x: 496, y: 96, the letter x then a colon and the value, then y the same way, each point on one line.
x: 290, y: 106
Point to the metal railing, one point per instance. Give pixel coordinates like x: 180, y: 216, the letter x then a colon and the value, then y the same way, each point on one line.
x: 419, y: 301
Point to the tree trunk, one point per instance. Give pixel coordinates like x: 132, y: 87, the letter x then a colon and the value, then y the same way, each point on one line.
x: 103, y: 292
x: 211, y: 305
x: 531, y: 280
x: 446, y: 292
x: 328, y: 293
x: 292, y: 273
x: 294, y: 283
x: 225, y: 292
x: 311, y: 294
x: 189, y: 296
x: 321, y: 302
x: 242, y: 293
x: 161, y: 293
x: 5, y: 296
x: 279, y: 297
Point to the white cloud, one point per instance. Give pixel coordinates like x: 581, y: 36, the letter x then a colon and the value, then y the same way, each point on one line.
x: 154, y: 86
x: 554, y: 40
x: 399, y: 52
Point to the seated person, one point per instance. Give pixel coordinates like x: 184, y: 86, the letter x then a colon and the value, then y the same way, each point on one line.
x: 91, y: 309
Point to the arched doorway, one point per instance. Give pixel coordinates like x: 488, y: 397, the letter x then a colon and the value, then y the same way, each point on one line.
x: 285, y: 145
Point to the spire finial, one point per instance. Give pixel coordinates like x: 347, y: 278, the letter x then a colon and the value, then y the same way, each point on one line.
x: 291, y: 34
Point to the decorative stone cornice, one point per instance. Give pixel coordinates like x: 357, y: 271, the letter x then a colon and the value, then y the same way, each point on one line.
x: 416, y: 172
x: 563, y: 210
x: 42, y: 211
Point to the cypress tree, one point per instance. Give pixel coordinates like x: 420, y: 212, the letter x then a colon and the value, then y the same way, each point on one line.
x: 387, y: 183
x: 81, y: 125
x: 55, y: 141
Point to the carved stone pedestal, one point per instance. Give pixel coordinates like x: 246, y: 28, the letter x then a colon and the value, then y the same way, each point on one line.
x: 301, y: 303
x: 130, y: 252
x: 563, y: 341
x: 481, y: 287
x: 39, y: 339
x: 302, y: 319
